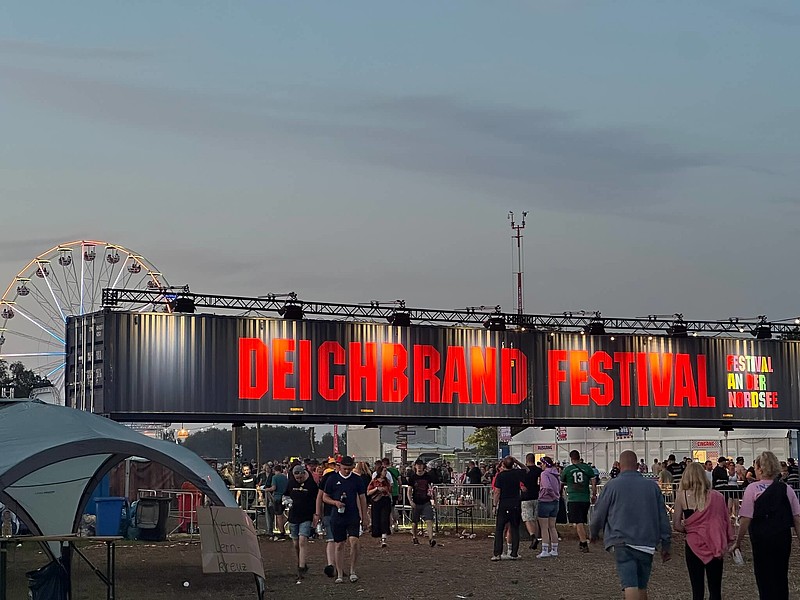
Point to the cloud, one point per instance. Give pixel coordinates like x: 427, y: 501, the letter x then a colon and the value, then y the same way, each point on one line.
x: 43, y: 50
x: 543, y: 153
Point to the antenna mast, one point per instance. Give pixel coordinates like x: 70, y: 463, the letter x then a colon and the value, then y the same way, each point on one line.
x: 518, y: 266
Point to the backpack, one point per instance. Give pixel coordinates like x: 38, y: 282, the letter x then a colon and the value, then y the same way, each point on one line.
x: 772, y: 513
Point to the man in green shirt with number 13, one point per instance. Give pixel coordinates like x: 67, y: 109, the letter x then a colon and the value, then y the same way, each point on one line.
x: 578, y: 478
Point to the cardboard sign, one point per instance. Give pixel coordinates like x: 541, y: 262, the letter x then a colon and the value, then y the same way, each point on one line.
x: 228, y: 541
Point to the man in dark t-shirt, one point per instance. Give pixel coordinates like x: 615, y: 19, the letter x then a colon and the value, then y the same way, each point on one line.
x: 246, y: 480
x: 302, y: 513
x: 530, y: 498
x: 420, y: 497
x: 474, y: 474
x: 506, y: 496
x: 347, y: 493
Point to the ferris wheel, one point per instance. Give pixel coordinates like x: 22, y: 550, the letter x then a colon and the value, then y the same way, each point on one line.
x: 66, y: 280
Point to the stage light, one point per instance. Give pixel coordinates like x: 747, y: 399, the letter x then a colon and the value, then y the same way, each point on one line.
x: 399, y: 319
x: 183, y: 305
x: 292, y: 311
x: 595, y: 328
x: 763, y: 332
x: 678, y: 330
x: 495, y: 324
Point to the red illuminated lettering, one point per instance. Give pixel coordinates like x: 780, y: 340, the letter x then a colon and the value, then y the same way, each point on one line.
x: 578, y: 375
x: 684, y: 381
x: 394, y: 381
x: 253, y: 382
x: 598, y: 364
x: 484, y: 375
x: 427, y: 363
x: 281, y: 368
x: 625, y: 359
x: 330, y: 353
x: 513, y: 360
x: 363, y: 370
x: 641, y: 379
x: 703, y: 399
x: 455, y: 376
x: 661, y: 374
x: 304, y: 369
x: 555, y: 375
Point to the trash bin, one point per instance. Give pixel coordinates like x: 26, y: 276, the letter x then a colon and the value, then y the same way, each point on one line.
x: 152, y: 513
x: 50, y: 582
x: 109, y: 515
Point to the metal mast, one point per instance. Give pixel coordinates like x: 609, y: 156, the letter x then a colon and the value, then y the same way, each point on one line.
x: 518, y: 266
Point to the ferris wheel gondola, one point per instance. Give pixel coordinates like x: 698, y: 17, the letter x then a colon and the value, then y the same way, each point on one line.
x: 64, y: 281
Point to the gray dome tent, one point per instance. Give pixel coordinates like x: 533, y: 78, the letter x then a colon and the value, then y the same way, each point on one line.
x: 52, y: 458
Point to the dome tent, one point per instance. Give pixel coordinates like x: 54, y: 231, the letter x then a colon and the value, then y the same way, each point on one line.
x: 52, y: 458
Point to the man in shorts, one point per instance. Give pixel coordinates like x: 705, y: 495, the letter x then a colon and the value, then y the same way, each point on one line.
x: 420, y: 497
x: 578, y: 478
x: 632, y: 514
x: 530, y: 499
x: 325, y: 510
x: 347, y: 493
x: 302, y: 514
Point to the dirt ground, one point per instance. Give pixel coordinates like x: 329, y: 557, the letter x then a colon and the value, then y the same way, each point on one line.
x: 455, y: 568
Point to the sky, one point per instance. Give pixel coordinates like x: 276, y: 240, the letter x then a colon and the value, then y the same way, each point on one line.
x: 358, y: 151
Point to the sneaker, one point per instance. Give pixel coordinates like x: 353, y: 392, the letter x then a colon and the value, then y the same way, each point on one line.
x: 535, y: 543
x: 544, y: 554
x: 383, y: 543
x: 584, y: 547
x: 432, y: 543
x: 416, y: 541
x: 514, y: 557
x: 329, y: 570
x: 553, y: 553
x: 353, y: 577
x: 339, y: 580
x: 495, y: 558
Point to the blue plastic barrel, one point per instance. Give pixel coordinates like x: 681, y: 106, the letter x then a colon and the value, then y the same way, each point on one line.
x: 109, y: 515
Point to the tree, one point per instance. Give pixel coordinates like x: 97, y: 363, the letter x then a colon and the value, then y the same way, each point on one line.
x: 484, y: 439
x: 22, y: 380
x: 277, y: 443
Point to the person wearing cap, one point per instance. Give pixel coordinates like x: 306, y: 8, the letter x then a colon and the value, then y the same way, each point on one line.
x: 347, y: 493
x: 420, y: 497
x: 303, y: 516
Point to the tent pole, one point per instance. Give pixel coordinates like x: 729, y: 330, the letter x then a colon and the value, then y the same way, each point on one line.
x: 127, y: 478
x: 258, y: 447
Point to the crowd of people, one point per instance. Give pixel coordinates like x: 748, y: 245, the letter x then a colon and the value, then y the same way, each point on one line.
x: 633, y: 516
x: 713, y: 505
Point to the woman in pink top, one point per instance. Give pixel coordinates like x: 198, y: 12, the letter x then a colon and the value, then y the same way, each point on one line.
x: 701, y: 513
x: 769, y: 510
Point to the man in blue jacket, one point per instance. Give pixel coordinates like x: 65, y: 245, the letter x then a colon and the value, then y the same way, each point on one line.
x: 632, y: 515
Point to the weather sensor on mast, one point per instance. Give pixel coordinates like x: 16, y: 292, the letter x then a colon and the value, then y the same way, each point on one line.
x: 517, y: 266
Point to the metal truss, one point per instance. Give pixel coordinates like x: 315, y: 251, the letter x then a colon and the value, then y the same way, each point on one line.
x: 491, y: 317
